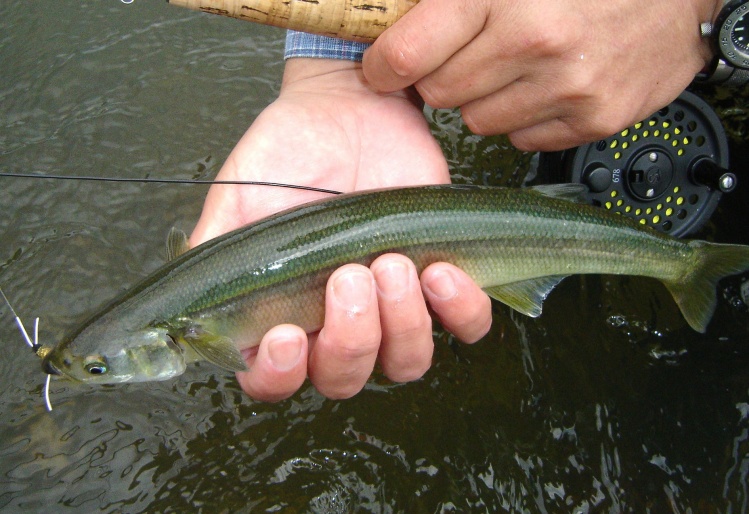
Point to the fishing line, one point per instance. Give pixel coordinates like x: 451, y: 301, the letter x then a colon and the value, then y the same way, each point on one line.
x: 169, y: 181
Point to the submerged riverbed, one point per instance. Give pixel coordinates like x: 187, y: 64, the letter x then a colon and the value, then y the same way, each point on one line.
x: 606, y: 403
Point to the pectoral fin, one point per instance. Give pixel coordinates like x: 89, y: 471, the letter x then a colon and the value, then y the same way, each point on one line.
x: 527, y: 296
x: 219, y: 350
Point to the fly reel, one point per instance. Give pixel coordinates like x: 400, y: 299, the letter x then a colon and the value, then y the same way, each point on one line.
x: 667, y: 171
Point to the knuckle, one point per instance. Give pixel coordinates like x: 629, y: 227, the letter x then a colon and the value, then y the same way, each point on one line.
x: 608, y: 122
x: 400, y: 53
x: 435, y: 95
x: 352, y: 350
x: 478, y: 123
x: 411, y: 328
x: 541, y: 42
x: 582, y: 84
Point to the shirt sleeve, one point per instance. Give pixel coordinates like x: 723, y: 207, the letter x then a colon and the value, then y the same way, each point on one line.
x: 302, y: 44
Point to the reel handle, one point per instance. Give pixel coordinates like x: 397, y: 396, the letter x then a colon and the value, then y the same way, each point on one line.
x: 354, y: 20
x: 708, y: 173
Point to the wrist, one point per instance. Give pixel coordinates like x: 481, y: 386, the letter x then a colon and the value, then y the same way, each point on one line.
x: 334, y: 76
x: 729, y: 60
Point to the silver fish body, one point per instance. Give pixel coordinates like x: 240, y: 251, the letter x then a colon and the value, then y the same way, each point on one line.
x: 221, y: 297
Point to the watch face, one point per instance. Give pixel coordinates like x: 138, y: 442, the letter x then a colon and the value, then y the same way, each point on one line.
x: 739, y: 33
x: 733, y: 38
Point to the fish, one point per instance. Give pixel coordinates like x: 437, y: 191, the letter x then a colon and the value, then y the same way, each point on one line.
x: 219, y: 298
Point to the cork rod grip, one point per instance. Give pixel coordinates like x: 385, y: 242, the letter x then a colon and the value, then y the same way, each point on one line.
x: 355, y: 20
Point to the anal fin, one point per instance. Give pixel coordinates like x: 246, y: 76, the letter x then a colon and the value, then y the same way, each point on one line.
x: 527, y: 296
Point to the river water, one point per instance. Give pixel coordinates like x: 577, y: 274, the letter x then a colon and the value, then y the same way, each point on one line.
x: 607, y: 403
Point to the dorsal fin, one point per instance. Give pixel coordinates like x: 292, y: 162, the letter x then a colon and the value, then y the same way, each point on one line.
x: 176, y: 244
x: 569, y: 191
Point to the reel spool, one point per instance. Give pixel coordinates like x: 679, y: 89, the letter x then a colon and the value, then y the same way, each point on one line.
x: 668, y: 171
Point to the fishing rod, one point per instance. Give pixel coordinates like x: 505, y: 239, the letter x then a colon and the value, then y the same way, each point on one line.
x: 354, y: 20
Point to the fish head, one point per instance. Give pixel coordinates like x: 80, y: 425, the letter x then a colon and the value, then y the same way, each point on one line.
x: 101, y: 357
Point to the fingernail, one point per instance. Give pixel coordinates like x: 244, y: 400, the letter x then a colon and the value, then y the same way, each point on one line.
x: 442, y: 285
x: 393, y: 279
x: 353, y: 291
x: 284, y: 353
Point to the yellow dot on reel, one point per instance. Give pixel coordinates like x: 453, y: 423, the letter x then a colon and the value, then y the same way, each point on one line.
x: 642, y: 221
x: 608, y: 205
x: 614, y: 193
x: 669, y: 211
x: 656, y: 219
x: 680, y: 200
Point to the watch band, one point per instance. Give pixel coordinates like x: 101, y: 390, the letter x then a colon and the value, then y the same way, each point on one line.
x: 720, y: 70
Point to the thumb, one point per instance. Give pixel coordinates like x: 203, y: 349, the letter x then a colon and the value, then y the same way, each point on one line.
x: 422, y: 40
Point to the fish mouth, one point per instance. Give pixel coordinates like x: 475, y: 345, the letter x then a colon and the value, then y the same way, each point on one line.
x: 49, y: 368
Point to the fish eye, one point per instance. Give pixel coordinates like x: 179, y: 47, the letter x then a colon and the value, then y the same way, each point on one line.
x: 95, y: 365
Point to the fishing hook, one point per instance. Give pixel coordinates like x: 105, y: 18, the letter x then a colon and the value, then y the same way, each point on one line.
x: 34, y: 345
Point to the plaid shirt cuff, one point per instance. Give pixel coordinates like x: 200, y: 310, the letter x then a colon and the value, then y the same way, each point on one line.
x: 301, y: 44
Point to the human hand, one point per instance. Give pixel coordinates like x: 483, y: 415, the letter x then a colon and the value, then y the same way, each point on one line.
x: 551, y: 74
x: 328, y: 129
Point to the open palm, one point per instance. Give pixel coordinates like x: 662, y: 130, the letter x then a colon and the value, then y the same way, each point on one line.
x: 329, y: 130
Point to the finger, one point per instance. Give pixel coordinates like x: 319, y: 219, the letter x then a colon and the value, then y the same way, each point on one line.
x: 345, y: 352
x: 518, y: 106
x: 423, y: 39
x: 550, y: 136
x: 279, y: 366
x: 462, y: 307
x: 461, y: 81
x: 407, y: 346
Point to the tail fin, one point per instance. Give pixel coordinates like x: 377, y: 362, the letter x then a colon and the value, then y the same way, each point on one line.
x: 695, y: 293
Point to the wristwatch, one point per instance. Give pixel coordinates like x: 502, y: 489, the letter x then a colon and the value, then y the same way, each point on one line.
x: 730, y: 41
